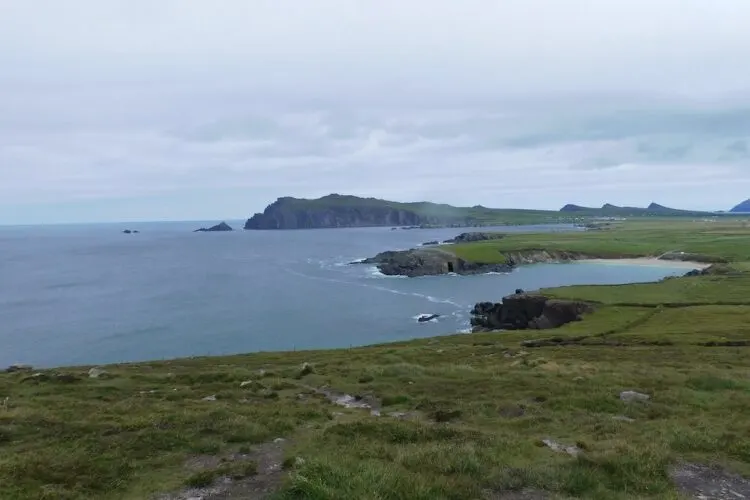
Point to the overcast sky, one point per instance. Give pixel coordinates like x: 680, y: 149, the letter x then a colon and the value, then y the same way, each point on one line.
x: 189, y: 109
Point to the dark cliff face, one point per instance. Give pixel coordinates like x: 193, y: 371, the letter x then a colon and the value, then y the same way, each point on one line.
x: 523, y: 311
x: 282, y: 218
x: 287, y: 213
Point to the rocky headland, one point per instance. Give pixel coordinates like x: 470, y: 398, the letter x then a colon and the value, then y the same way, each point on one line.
x: 429, y: 261
x: 433, y: 261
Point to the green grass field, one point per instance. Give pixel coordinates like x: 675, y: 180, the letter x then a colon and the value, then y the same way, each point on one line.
x: 472, y: 410
x: 729, y: 240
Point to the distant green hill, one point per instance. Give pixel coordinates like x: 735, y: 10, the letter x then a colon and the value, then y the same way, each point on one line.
x: 337, y: 210
x: 609, y: 210
x: 743, y: 207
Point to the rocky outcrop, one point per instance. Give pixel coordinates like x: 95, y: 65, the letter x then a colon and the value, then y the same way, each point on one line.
x: 217, y: 228
x: 429, y: 262
x: 475, y: 236
x: 523, y: 311
x: 713, y: 270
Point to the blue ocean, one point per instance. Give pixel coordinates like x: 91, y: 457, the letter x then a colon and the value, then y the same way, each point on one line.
x: 88, y: 294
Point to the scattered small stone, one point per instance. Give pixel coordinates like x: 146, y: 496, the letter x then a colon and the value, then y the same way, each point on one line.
x: 579, y: 379
x: 440, y: 351
x: 210, y: 398
x: 375, y: 412
x: 279, y: 440
x: 633, y: 396
x: 305, y: 369
x: 96, y: 372
x: 19, y: 367
x: 573, y: 451
x: 623, y: 418
x: 246, y: 383
x: 262, y: 372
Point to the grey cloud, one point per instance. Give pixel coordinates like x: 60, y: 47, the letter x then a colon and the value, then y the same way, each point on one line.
x: 446, y: 100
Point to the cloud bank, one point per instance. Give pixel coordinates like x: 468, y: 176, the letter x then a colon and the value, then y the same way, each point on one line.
x: 179, y: 110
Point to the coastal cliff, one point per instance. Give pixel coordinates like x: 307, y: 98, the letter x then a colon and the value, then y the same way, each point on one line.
x: 523, y: 311
x: 336, y: 210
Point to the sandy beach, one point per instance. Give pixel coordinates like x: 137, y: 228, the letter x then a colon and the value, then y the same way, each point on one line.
x: 650, y: 261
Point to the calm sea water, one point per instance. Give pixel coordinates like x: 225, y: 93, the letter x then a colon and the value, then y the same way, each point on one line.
x: 90, y: 294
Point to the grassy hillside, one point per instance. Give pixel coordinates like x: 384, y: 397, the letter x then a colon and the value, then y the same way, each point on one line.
x: 460, y: 417
x: 726, y: 239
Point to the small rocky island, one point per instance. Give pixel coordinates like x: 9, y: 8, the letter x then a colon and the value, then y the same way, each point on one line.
x: 217, y: 228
